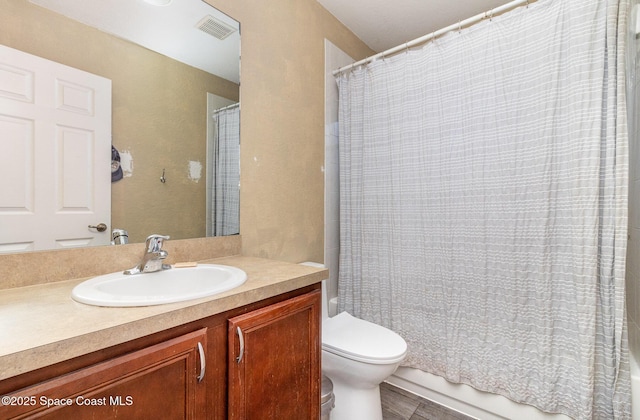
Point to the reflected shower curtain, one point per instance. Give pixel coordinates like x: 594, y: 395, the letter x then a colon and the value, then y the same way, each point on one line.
x: 484, y: 205
x: 226, y: 168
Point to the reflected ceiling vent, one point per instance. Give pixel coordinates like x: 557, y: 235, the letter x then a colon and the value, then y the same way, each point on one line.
x: 215, y: 27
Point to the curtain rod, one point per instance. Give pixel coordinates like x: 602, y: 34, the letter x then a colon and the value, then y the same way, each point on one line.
x: 225, y: 107
x: 456, y: 26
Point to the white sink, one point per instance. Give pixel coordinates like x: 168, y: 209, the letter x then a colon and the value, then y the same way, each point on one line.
x: 167, y: 286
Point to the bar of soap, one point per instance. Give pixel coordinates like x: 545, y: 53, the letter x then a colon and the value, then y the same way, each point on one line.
x: 185, y: 264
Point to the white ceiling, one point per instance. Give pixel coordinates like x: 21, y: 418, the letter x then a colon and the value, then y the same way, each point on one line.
x: 384, y: 24
x: 170, y: 30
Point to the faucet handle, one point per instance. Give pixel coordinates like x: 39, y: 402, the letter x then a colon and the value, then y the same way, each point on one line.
x: 154, y: 242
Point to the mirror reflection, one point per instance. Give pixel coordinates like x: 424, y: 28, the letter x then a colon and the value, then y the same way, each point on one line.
x: 174, y: 104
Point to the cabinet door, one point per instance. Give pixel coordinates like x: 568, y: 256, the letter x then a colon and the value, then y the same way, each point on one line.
x: 157, y: 382
x: 274, y: 361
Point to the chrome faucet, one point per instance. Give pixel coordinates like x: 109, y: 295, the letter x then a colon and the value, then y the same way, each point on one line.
x: 153, y: 256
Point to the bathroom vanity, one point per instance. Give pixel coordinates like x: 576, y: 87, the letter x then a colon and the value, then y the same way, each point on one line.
x: 252, y: 352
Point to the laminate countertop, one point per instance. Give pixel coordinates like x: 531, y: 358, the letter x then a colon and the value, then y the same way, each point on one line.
x: 41, y: 325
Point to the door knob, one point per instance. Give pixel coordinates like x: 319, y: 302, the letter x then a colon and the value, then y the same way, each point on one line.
x: 100, y: 227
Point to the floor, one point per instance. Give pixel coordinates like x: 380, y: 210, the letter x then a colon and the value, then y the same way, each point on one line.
x: 398, y: 404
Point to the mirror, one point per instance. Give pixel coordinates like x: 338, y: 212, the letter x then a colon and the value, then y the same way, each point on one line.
x: 163, y: 109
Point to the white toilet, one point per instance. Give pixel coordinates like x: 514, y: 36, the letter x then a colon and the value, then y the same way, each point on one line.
x: 357, y: 356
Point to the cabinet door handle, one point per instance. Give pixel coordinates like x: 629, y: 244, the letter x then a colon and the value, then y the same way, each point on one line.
x: 241, y: 338
x: 203, y: 362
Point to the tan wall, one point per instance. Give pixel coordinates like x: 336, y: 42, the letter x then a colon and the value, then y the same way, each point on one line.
x: 159, y: 116
x: 282, y: 123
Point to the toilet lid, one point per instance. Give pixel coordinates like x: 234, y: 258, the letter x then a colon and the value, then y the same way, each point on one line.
x: 357, y: 339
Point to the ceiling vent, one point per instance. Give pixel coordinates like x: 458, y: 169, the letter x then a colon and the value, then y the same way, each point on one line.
x: 215, y: 27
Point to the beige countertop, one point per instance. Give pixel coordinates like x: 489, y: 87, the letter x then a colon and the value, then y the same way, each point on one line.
x: 41, y: 325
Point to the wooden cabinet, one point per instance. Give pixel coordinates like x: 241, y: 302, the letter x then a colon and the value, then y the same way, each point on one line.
x: 160, y: 381
x: 274, y: 361
x: 158, y: 376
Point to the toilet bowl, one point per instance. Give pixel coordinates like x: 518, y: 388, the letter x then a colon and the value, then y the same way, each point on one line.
x: 357, y: 356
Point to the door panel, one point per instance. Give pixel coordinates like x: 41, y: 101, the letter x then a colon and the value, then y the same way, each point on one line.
x: 157, y: 382
x: 274, y: 361
x: 55, y: 129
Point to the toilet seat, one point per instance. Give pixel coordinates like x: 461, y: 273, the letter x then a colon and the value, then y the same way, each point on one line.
x: 360, y: 340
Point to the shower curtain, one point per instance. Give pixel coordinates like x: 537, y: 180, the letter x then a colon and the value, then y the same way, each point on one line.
x: 225, y: 159
x: 484, y: 205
